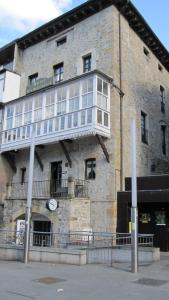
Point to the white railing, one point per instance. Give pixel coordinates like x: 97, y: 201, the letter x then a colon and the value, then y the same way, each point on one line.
x: 71, y: 125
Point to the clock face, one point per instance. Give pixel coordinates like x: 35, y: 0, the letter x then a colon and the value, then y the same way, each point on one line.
x: 52, y: 204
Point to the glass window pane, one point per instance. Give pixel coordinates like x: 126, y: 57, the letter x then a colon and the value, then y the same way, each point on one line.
x: 49, y: 111
x: 62, y: 125
x: 90, y: 99
x: 105, y: 88
x: 84, y: 101
x: 28, y: 118
x: 10, y: 110
x: 38, y: 102
x: 99, y: 85
x: 45, y: 127
x: 71, y: 105
x: 28, y: 106
x: 56, y: 124
x: 18, y: 108
x: 38, y: 115
x: 83, y: 116
x: 9, y: 123
x: 89, y: 116
x: 50, y: 98
x: 75, y: 119
x: 69, y: 123
x: 99, y: 116
x: 18, y: 120
x: 84, y: 86
x: 50, y: 125
x: 106, y: 123
x: 90, y: 85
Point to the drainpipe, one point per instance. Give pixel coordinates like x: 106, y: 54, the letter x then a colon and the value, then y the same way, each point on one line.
x: 121, y: 105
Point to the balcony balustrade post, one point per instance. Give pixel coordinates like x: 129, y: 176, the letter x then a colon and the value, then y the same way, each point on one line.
x: 71, y: 187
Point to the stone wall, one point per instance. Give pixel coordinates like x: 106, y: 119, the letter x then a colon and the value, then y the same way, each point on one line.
x: 141, y: 80
x: 72, y: 214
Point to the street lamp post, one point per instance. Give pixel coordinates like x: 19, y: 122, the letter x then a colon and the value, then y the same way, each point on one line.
x: 29, y: 201
x: 134, y: 210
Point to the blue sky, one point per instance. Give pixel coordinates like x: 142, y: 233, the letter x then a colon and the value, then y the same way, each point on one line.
x: 17, y: 16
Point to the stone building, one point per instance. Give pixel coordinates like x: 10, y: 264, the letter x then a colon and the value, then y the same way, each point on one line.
x: 77, y: 82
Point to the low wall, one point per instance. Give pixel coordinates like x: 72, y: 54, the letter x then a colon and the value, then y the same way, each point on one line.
x: 79, y: 257
x: 121, y: 254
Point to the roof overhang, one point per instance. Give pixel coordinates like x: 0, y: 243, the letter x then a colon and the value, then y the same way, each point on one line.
x: 87, y: 9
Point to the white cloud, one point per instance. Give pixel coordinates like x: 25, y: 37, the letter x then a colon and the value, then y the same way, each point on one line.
x: 25, y: 15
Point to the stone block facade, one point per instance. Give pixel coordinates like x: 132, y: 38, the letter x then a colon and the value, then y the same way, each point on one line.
x: 116, y: 50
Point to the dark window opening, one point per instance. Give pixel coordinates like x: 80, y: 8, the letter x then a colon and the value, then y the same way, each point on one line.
x: 146, y: 52
x: 33, y: 78
x: 61, y: 41
x: 162, y: 95
x: 144, y: 131
x: 160, y: 67
x: 23, y: 173
x: 87, y: 61
x: 90, y: 168
x: 59, y: 71
x: 163, y: 133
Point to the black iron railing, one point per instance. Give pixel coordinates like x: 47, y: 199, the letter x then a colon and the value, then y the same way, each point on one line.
x: 49, y: 189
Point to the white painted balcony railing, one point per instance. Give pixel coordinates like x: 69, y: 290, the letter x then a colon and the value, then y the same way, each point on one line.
x: 70, y: 110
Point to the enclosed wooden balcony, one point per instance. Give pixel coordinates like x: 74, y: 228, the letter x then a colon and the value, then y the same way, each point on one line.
x: 68, y: 110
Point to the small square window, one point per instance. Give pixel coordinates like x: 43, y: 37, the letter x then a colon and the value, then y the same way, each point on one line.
x: 90, y: 168
x: 87, y: 60
x: 160, y: 67
x: 146, y: 52
x: 59, y: 71
x: 61, y: 41
x: 33, y: 78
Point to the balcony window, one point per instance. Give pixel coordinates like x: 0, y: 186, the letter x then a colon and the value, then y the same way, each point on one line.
x: 59, y: 71
x: 9, y: 119
x: 90, y: 169
x: 32, y: 78
x: 28, y: 112
x: 50, y: 104
x: 87, y: 60
x: 102, y: 94
x: 61, y: 101
x: 18, y: 114
x: 38, y: 103
x: 87, y: 93
x: 80, y: 105
x: 74, y: 97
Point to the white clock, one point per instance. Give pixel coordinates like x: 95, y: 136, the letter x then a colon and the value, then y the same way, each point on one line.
x: 52, y: 204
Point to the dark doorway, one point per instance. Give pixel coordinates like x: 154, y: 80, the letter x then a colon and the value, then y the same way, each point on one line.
x: 56, y: 177
x: 42, y: 233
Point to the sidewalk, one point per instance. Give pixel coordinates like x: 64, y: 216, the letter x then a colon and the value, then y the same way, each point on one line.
x: 51, y: 281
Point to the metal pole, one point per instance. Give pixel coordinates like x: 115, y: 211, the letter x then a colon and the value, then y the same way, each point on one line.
x: 134, y: 212
x: 29, y: 201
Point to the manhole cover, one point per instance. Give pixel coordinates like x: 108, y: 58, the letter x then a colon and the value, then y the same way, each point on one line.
x: 49, y: 280
x: 151, y: 282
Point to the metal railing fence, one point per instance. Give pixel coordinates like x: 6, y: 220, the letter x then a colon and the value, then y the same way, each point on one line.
x: 48, y: 188
x: 74, y: 240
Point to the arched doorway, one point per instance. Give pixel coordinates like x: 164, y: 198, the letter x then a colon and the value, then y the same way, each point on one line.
x: 41, y: 230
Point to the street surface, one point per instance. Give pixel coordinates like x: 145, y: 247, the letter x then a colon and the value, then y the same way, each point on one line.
x: 39, y: 281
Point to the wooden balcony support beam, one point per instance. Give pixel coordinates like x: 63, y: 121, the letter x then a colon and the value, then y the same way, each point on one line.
x: 101, y: 142
x: 63, y: 146
x: 39, y: 160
